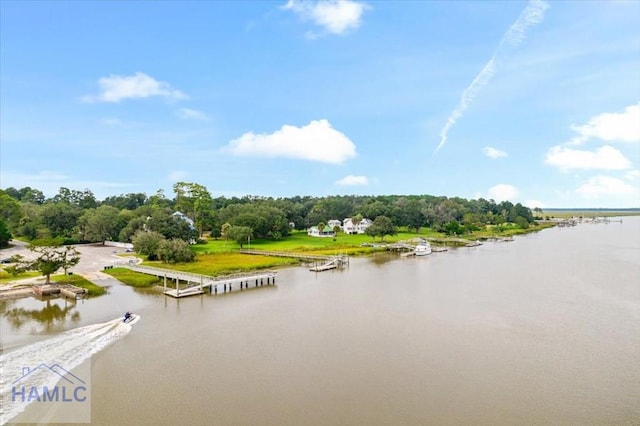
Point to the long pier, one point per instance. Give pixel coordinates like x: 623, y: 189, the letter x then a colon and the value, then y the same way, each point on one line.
x: 199, y: 283
x: 321, y: 262
x: 301, y: 256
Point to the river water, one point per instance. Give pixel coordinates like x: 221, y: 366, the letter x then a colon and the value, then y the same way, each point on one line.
x: 542, y: 330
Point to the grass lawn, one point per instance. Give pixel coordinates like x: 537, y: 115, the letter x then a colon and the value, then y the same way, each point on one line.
x: 134, y: 279
x: 78, y: 281
x: 226, y: 264
x: 300, y: 242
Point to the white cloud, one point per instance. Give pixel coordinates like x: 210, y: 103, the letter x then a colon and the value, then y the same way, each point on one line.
x: 317, y: 141
x: 532, y: 204
x: 118, y: 87
x: 619, y: 127
x: 603, y: 158
x: 335, y: 16
x: 351, y: 180
x: 192, y: 114
x: 493, y: 152
x: 503, y: 192
x: 632, y: 175
x: 606, y: 185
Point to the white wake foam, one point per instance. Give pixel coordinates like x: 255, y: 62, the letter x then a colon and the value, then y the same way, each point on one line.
x: 68, y: 350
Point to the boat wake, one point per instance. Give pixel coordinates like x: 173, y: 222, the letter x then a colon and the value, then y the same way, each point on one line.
x: 63, y: 352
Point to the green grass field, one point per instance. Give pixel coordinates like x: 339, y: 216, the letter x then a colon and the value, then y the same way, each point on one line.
x: 78, y: 281
x: 300, y: 242
x: 134, y: 279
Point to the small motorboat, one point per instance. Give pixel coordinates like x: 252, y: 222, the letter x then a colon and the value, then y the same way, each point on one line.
x: 422, y: 249
x: 128, y: 317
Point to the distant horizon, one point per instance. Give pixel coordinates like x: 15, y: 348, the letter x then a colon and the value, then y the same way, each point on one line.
x: 534, y: 102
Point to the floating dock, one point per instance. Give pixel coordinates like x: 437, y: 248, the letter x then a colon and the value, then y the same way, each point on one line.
x: 333, y: 263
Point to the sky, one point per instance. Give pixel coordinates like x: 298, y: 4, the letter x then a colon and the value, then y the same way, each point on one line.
x: 527, y: 101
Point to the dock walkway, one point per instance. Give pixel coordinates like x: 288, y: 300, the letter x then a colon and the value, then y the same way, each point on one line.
x: 199, y: 283
x: 301, y: 256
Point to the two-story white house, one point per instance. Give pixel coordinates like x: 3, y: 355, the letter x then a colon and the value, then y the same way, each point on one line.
x: 333, y: 223
x: 186, y: 218
x: 349, y: 227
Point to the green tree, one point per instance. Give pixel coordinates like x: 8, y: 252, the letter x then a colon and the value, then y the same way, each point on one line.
x: 521, y: 222
x: 11, y: 211
x: 195, y: 201
x: 101, y: 224
x: 147, y: 243
x: 240, y: 234
x: 59, y: 218
x: 381, y: 226
x: 453, y: 228
x: 5, y: 235
x: 162, y: 221
x: 50, y: 259
x: 70, y: 258
x: 175, y: 251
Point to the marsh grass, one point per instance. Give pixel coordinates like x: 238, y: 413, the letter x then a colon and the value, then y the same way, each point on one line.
x: 227, y: 263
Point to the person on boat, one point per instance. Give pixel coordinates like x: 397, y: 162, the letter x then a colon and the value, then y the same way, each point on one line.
x: 127, y: 315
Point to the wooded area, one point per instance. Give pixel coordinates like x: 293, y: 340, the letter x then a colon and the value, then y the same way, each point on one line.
x: 77, y: 216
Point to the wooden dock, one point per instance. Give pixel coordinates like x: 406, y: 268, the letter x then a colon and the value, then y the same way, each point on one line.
x: 334, y: 262
x: 188, y: 284
x: 301, y: 256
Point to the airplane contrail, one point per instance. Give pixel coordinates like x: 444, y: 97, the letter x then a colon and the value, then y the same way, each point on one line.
x: 532, y: 14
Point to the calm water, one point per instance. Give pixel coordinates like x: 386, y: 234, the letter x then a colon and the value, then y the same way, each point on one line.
x: 543, y: 330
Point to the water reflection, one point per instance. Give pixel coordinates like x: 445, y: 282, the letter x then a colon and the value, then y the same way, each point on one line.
x: 48, y: 315
x: 379, y: 259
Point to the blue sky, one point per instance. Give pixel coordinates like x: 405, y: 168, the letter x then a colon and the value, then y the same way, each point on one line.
x: 533, y: 102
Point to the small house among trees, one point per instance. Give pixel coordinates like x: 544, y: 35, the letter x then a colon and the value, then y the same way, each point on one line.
x: 326, y: 231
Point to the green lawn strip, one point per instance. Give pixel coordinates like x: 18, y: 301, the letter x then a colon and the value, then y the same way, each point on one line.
x: 134, y: 279
x: 226, y: 263
x: 78, y: 281
x: 300, y: 242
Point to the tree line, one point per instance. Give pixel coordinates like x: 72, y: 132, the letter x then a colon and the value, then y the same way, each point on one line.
x: 73, y: 216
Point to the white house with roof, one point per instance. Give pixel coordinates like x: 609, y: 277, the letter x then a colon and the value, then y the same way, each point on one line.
x: 333, y: 223
x: 186, y: 218
x: 327, y: 231
x: 351, y: 227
